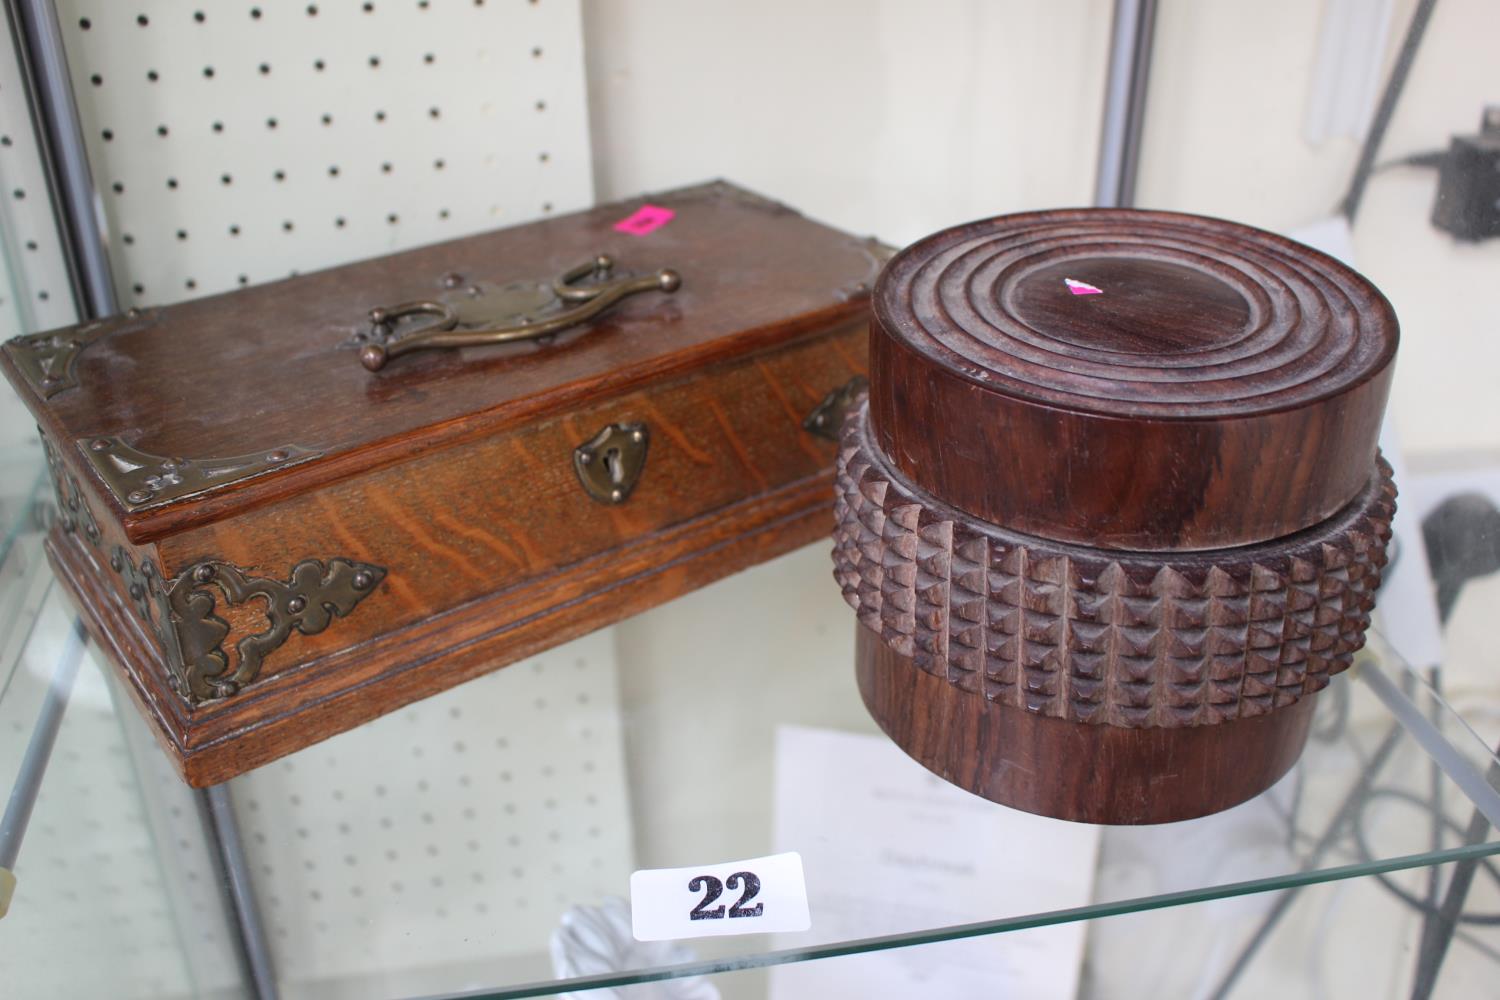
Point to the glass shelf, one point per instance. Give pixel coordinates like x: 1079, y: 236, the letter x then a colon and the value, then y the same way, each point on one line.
x: 437, y: 850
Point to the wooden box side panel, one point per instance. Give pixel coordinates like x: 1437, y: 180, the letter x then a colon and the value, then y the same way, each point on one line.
x: 486, y: 552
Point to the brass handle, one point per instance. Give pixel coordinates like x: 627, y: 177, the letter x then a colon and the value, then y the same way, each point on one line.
x: 484, y: 313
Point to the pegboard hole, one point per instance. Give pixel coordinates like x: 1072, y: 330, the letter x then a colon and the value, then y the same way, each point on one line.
x: 279, y: 175
x: 374, y: 62
x: 226, y: 179
x: 97, y: 80
x: 142, y: 20
x: 271, y: 123
x: 287, y: 226
x: 199, y: 16
x: 218, y: 126
x: 85, y: 23
x: 429, y: 58
x: 333, y: 171
x: 234, y: 230
x: 152, y: 75
x: 438, y: 164
x: 328, y: 119
x: 312, y: 10
x: 128, y: 239
x: 172, y: 183
x: 265, y: 69
x: 255, y: 13
x: 162, y: 131
x: 182, y: 234
x: 319, y: 65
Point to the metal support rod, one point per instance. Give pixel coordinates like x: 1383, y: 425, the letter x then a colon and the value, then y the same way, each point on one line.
x: 44, y: 68
x: 234, y: 872
x: 1124, y: 102
x: 34, y: 762
x: 1349, y: 207
x: 1439, y: 927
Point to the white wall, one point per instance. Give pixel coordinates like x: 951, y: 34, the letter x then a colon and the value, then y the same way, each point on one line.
x: 889, y: 118
x: 1223, y: 136
x: 900, y: 118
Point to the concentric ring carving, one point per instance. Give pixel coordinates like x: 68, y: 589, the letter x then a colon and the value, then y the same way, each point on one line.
x: 1124, y: 639
x: 1312, y: 327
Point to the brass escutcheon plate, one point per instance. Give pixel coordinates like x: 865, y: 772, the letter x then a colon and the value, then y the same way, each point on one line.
x: 610, y: 463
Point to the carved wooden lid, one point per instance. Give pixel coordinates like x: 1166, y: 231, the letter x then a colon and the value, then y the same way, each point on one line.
x: 1130, y: 379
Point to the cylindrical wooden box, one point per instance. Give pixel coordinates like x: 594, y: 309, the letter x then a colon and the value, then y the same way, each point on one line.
x: 1114, y: 511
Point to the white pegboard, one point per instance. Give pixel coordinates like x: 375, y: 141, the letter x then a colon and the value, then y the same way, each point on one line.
x: 237, y: 143
x: 435, y: 849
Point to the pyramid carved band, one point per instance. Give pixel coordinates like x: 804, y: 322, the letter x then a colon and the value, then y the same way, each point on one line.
x: 1123, y: 639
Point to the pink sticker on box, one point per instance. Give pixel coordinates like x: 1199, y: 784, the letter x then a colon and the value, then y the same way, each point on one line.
x: 646, y: 219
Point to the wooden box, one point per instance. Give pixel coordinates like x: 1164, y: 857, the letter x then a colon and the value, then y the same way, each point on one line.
x: 275, y: 541
x: 1114, y: 513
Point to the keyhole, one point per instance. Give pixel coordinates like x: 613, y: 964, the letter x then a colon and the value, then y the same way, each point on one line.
x: 614, y: 466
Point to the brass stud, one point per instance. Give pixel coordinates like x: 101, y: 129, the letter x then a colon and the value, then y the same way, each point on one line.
x: 138, y: 496
x: 362, y: 580
x: 637, y: 436
x: 99, y: 444
x: 296, y: 604
x: 277, y: 456
x: 585, y: 457
x: 452, y: 280
x: 616, y: 495
x: 203, y: 573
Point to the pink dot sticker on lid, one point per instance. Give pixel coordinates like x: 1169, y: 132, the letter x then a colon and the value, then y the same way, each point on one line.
x: 646, y: 219
x: 1081, y: 287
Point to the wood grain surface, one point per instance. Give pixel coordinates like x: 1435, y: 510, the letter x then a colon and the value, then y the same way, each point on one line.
x: 1088, y: 774
x: 255, y: 370
x: 1223, y: 387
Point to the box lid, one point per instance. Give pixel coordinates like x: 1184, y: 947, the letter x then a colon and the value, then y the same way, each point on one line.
x: 189, y: 413
x: 1130, y: 379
